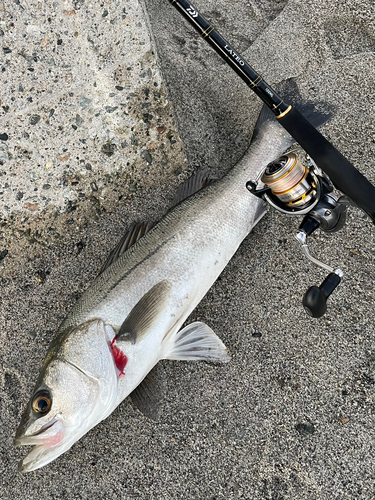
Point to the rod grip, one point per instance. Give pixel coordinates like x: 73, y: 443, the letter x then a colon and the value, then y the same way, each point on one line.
x: 342, y: 173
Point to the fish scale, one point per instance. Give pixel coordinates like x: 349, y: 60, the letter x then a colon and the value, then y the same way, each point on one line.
x: 131, y: 315
x: 211, y: 224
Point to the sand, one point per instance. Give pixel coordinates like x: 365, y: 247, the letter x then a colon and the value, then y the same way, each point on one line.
x: 292, y: 415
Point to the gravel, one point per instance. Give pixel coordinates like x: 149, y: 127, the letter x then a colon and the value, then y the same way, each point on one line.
x: 292, y: 415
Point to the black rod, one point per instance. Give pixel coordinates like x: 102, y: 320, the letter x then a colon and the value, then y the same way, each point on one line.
x: 231, y: 57
x: 342, y: 173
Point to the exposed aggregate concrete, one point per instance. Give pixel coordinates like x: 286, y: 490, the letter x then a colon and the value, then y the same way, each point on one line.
x: 292, y: 415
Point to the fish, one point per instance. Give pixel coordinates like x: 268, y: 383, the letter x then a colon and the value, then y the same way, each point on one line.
x: 133, y: 313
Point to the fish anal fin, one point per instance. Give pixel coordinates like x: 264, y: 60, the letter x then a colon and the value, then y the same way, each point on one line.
x: 150, y: 394
x: 145, y: 313
x: 195, y: 342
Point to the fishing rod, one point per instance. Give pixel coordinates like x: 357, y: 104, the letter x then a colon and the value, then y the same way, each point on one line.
x: 291, y: 187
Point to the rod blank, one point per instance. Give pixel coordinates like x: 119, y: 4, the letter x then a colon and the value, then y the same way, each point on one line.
x: 342, y: 173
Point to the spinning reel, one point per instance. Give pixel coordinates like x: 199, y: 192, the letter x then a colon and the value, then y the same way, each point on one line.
x: 296, y: 189
x: 290, y: 187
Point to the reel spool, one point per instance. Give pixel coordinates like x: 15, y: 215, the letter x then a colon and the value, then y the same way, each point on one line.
x: 296, y: 189
x: 289, y: 186
x: 287, y: 179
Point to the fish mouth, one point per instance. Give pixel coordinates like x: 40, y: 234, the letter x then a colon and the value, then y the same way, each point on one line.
x: 45, y: 439
x: 44, y: 435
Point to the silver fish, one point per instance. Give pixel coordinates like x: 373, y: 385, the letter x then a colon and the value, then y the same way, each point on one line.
x: 131, y: 315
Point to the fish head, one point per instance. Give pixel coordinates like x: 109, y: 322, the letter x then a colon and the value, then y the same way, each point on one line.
x: 76, y: 389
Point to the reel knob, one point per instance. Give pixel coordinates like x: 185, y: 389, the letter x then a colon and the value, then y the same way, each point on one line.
x: 315, y: 299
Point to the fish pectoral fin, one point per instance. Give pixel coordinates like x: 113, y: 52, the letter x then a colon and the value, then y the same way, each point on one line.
x: 150, y: 395
x: 195, y: 342
x: 145, y: 313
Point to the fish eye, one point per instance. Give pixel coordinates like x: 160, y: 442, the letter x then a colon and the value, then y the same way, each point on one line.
x: 42, y: 403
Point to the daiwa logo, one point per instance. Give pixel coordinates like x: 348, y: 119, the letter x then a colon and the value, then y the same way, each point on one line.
x: 234, y: 55
x: 192, y: 11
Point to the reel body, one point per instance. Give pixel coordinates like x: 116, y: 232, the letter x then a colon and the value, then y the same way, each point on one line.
x: 293, y: 188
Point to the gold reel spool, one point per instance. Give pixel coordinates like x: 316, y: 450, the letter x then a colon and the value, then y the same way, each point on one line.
x: 287, y: 179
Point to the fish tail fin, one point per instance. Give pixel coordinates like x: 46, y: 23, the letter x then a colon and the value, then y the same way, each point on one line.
x: 193, y: 343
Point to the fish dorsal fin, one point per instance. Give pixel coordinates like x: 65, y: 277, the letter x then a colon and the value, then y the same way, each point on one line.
x: 145, y: 313
x: 138, y: 229
x: 150, y: 395
x: 132, y: 235
x: 195, y: 183
x: 195, y: 342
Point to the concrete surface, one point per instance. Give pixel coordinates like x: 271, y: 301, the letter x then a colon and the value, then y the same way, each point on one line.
x: 292, y: 415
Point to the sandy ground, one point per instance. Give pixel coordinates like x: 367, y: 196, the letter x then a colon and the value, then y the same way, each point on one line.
x: 292, y: 415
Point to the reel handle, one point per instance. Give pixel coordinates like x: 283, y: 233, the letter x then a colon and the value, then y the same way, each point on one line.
x: 315, y: 299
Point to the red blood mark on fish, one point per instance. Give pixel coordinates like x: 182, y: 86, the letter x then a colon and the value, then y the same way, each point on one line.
x: 120, y: 358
